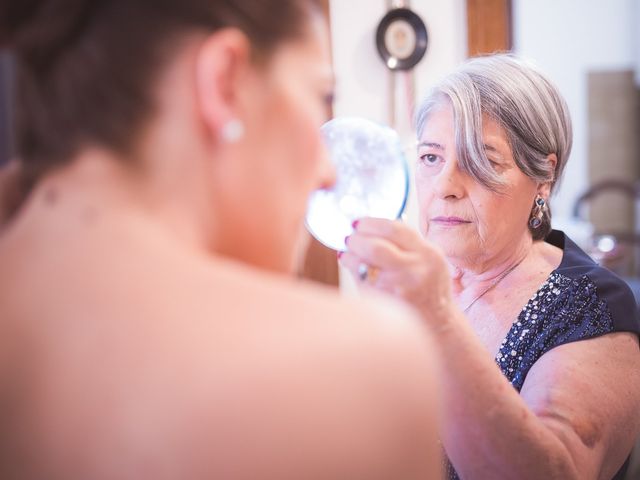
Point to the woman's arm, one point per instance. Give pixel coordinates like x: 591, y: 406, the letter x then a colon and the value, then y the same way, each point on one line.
x: 588, y: 393
x: 576, y: 417
x: 488, y: 429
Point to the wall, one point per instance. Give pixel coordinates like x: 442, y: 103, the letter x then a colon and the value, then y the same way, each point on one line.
x: 361, y: 74
x: 363, y: 82
x: 568, y: 39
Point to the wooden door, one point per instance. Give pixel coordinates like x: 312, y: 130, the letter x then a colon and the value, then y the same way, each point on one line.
x: 488, y: 26
x: 320, y: 263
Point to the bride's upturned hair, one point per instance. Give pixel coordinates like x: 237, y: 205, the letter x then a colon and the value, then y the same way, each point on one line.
x: 85, y: 69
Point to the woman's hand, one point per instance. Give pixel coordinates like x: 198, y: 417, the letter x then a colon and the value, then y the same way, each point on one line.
x: 403, y: 264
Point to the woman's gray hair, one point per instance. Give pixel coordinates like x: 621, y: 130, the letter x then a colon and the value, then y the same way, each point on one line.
x: 523, y: 101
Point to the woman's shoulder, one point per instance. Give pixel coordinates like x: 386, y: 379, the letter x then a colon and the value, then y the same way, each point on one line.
x: 336, y: 371
x: 288, y: 364
x: 277, y: 319
x: 579, y: 300
x: 587, y: 284
x: 318, y: 313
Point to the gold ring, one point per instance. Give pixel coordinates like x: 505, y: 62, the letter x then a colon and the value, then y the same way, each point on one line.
x: 373, y: 274
x: 367, y: 273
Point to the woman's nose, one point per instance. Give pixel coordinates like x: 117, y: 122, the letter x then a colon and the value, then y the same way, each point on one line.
x: 449, y: 182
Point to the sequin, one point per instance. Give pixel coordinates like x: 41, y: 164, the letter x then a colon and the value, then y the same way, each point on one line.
x: 572, y: 314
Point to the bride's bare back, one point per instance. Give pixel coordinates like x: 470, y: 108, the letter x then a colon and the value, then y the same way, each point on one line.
x: 126, y: 355
x: 148, y: 324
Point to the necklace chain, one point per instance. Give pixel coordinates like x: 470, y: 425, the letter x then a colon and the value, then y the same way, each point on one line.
x: 495, y: 282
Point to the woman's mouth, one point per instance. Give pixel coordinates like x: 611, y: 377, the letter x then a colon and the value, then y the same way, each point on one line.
x: 449, y: 221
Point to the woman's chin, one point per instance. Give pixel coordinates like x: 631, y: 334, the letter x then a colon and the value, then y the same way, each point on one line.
x: 452, y: 244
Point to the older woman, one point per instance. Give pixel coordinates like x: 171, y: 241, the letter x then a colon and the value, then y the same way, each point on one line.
x: 538, y: 344
x: 149, y: 327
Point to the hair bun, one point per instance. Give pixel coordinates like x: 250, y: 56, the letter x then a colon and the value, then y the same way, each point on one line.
x: 15, y: 16
x: 37, y: 27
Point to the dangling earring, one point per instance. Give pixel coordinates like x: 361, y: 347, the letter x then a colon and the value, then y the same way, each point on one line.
x: 232, y: 131
x: 539, y: 206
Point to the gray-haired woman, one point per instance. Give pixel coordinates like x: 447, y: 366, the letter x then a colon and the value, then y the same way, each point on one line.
x: 498, y: 286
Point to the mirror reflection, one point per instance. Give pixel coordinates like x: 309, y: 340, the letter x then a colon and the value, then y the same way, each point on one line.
x: 372, y: 179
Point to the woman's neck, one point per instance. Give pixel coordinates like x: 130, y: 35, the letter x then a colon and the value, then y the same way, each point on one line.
x: 96, y: 186
x: 475, y: 275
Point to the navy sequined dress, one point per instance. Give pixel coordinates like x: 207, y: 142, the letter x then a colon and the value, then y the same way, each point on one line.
x: 579, y: 300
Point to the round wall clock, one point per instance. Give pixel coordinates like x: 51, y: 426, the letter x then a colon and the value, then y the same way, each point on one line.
x: 401, y: 39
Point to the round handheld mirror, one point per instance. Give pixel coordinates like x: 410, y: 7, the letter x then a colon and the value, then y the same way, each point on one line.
x: 372, y: 179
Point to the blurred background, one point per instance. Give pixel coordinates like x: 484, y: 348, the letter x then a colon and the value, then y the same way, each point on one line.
x: 590, y: 48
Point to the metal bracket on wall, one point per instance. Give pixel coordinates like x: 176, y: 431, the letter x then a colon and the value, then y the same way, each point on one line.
x: 406, y: 76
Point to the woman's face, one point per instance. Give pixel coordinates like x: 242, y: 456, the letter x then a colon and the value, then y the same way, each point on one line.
x: 468, y: 221
x: 283, y: 156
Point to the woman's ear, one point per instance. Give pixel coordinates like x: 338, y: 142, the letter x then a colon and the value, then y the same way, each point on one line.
x: 544, y: 189
x: 221, y: 63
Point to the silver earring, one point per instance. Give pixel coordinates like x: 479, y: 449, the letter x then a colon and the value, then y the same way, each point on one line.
x: 539, y: 205
x: 232, y: 131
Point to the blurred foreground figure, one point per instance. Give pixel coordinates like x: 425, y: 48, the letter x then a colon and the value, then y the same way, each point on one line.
x: 149, y: 324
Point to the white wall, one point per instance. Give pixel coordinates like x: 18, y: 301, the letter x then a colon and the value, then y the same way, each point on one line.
x: 567, y: 39
x: 363, y: 80
x: 361, y: 74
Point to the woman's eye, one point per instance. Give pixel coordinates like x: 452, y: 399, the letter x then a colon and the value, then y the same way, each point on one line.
x: 496, y: 165
x: 429, y: 159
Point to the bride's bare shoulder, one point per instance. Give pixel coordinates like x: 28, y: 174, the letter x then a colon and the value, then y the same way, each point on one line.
x: 222, y: 352
x: 347, y: 378
x: 281, y: 309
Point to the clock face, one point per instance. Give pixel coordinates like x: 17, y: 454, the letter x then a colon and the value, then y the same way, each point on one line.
x: 401, y: 39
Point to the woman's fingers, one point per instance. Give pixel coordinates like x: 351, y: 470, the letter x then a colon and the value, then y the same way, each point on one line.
x: 389, y: 256
x: 375, y: 276
x: 353, y: 263
x: 375, y: 250
x: 394, y: 231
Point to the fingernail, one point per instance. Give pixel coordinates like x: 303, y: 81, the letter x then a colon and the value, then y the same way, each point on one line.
x: 346, y: 240
x: 355, y: 223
